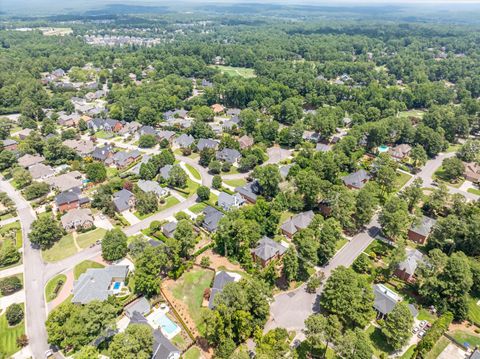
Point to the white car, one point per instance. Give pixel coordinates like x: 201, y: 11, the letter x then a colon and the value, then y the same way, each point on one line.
x: 423, y: 323
x: 421, y: 334
x: 415, y: 330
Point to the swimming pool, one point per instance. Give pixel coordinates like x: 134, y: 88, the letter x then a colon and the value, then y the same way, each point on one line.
x: 116, y: 285
x: 382, y: 148
x: 164, y: 323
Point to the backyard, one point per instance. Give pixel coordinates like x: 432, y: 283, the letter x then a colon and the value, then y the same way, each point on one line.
x: 9, y: 335
x: 379, y: 342
x: 439, y: 347
x: 236, y: 71
x: 464, y: 337
x: 12, y: 231
x: 82, y: 267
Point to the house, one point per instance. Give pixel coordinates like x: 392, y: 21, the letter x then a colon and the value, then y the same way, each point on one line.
x: 123, y: 159
x: 206, y: 83
x: 147, y: 130
x: 207, y: 143
x: 245, y: 142
x: 68, y: 200
x: 168, y: 229
x: 222, y: 278
x: 123, y: 200
x: 136, y: 169
x: 184, y: 141
x: 102, y: 153
x: 82, y: 147
x: 322, y: 147
x: 400, y: 152
x: 232, y: 123
x: 228, y: 155
x: 40, y: 171
x: 130, y: 128
x: 472, y: 171
x: 153, y: 187
x: 23, y: 134
x: 177, y: 113
x: 78, y: 218
x: 250, y: 191
x: 311, y: 136
x: 98, y: 284
x: 28, y: 160
x: 420, y: 230
x: 9, y: 144
x: 296, y: 223
x: 68, y: 120
x: 58, y: 73
x: 165, y: 172
x: 475, y: 354
x: 385, y: 300
x: 166, y: 135
x: 108, y: 125
x: 357, y: 179
x: 217, y: 108
x: 285, y: 170
x: 66, y: 181
x: 228, y: 201
x: 406, y: 269
x: 141, y: 306
x: 267, y: 250
x: 212, y: 217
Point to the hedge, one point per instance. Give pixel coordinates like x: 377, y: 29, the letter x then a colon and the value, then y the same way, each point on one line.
x: 439, y: 327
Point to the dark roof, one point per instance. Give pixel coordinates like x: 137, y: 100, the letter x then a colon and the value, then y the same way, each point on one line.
x: 221, y: 280
x: 141, y: 305
x: 206, y: 143
x: 147, y: 130
x: 424, y: 226
x: 162, y: 347
x: 212, y: 217
x: 102, y: 153
x: 267, y: 249
x: 410, y: 264
x: 66, y: 197
x: 356, y: 179
x: 184, y: 140
x: 229, y: 155
x: 385, y: 299
x: 251, y: 190
x: 169, y: 228
x: 121, y: 198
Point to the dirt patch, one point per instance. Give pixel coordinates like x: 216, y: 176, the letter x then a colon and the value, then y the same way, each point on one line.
x: 217, y: 261
x: 464, y: 326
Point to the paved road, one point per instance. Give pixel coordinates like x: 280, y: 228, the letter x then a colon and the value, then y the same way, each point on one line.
x: 12, y: 271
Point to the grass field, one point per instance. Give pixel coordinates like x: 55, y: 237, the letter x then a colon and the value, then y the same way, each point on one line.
x: 410, y: 113
x: 192, y: 353
x: 401, y: 179
x: 52, y: 284
x: 474, y: 191
x: 439, y: 347
x: 103, y: 134
x: 236, y: 71
x: 193, y: 171
x: 464, y: 337
x: 198, y: 207
x: 454, y: 148
x: 340, y: 243
x: 10, y: 227
x: 379, y: 342
x: 424, y: 314
x: 473, y: 310
x: 9, y: 335
x: 235, y: 182
x: 64, y: 248
x: 111, y: 172
x: 189, y: 289
x: 83, y: 266
x: 191, y: 188
x: 84, y: 240
x: 409, y: 353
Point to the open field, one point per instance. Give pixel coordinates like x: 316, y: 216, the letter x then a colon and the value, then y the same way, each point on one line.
x: 411, y: 113
x: 236, y: 71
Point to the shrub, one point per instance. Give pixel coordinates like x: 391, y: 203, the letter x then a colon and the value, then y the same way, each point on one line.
x: 313, y: 283
x: 10, y: 285
x: 203, y: 193
x: 205, y: 261
x: 217, y: 182
x: 14, y: 314
x: 22, y: 341
x: 9, y: 253
x: 226, y: 166
x: 439, y: 327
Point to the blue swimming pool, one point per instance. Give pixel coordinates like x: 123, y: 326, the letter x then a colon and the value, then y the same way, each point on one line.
x: 116, y: 285
x: 168, y: 327
x: 383, y: 148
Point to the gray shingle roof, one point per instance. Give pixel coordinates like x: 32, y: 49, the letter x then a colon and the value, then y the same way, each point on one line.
x: 147, y: 130
x: 141, y: 305
x: 267, y: 249
x: 40, y: 170
x: 410, y: 264
x: 297, y: 222
x: 424, y: 226
x: 250, y: 191
x: 356, y: 179
x: 229, y: 155
x: 102, y: 153
x: 165, y: 171
x: 221, y: 280
x: 206, y: 143
x: 121, y: 199
x: 151, y: 186
x: 167, y: 135
x: 29, y: 160
x: 162, y: 347
x: 66, y: 197
x: 212, y: 217
x: 385, y: 299
x: 169, y: 228
x: 227, y: 201
x: 184, y: 140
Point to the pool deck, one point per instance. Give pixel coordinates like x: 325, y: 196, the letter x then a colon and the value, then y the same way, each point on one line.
x: 159, y: 313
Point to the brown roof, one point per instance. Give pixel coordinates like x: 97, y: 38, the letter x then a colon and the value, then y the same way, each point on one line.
x: 245, y: 141
x: 217, y: 108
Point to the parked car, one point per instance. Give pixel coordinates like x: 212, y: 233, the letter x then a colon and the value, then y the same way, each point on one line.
x: 423, y: 323
x: 421, y: 334
x: 415, y: 330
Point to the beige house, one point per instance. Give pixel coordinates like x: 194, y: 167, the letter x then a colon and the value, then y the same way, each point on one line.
x: 472, y: 171
x: 79, y: 218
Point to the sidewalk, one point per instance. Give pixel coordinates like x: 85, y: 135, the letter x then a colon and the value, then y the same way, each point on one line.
x: 12, y: 271
x: 8, y: 221
x: 18, y: 297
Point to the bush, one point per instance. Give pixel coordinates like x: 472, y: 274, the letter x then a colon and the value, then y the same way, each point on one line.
x: 147, y: 141
x: 205, y: 261
x: 217, y: 182
x: 9, y: 253
x: 203, y: 193
x: 14, y: 314
x: 22, y: 341
x: 10, y: 285
x: 439, y: 327
x: 226, y: 166
x: 215, y: 167
x: 314, y: 282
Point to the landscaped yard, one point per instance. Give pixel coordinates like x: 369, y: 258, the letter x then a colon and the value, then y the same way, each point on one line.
x: 169, y: 202
x: 439, y: 176
x: 424, y: 314
x: 189, y: 289
x: 439, y: 347
x: 191, y: 188
x: 408, y: 354
x: 9, y: 335
x: 103, y: 134
x: 83, y: 266
x: 192, y: 353
x: 474, y: 191
x: 411, y: 113
x: 473, y: 310
x: 379, y: 342
x: 198, y: 207
x: 50, y: 293
x: 454, y: 148
x: 401, y: 179
x: 235, y: 182
x: 111, y: 172
x: 84, y: 240
x: 64, y: 248
x: 6, y: 232
x: 463, y: 337
x: 193, y: 171
x: 236, y: 71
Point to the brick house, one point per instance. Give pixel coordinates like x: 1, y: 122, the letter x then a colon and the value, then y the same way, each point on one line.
x: 419, y: 231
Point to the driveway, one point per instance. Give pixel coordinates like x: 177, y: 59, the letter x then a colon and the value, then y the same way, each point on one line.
x: 12, y: 271
x: 130, y: 217
x: 102, y: 222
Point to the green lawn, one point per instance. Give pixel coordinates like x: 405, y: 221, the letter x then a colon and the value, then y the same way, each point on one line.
x: 409, y: 353
x: 191, y: 188
x: 189, y: 289
x: 410, y: 113
x: 439, y: 347
x: 198, y: 207
x: 474, y: 191
x: 64, y: 248
x: 439, y: 176
x: 83, y: 266
x: 169, y: 202
x: 340, y: 243
x: 454, y: 148
x: 236, y: 71
x: 111, y: 172
x: 52, y: 284
x: 235, y: 182
x: 473, y: 310
x: 378, y: 340
x: 84, y: 240
x: 424, y: 314
x: 193, y: 171
x: 9, y: 228
x: 464, y: 337
x: 103, y: 134
x: 9, y: 335
x: 378, y: 248
x: 192, y: 353
x: 401, y: 179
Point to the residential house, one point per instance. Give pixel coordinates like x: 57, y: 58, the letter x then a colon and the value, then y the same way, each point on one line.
x: 28, y: 160
x: 98, y: 284
x: 311, y: 136
x: 58, y: 73
x: 153, y: 187
x: 420, y: 230
x: 207, y: 143
x: 102, y: 153
x: 123, y: 159
x: 385, y: 300
x: 124, y: 200
x: 23, y: 134
x: 400, y: 152
x: 108, y: 125
x: 9, y: 144
x: 357, y: 179
x: 168, y: 229
x: 66, y: 181
x: 472, y: 171
x: 165, y: 172
x: 212, y: 217
x: 233, y: 111
x: 82, y: 147
x: 222, y: 278
x: 322, y: 147
x: 40, y: 171
x: 296, y: 223
x: 130, y: 128
x: 136, y: 169
x: 184, y: 141
x: 78, y: 218
x: 406, y: 269
x: 217, y: 108
x: 68, y: 200
x: 250, y: 191
x: 267, y: 250
x: 166, y: 135
x: 206, y: 83
x: 245, y: 142
x: 68, y: 120
x: 147, y: 130
x: 141, y: 306
x: 232, y: 123
x: 284, y: 170
x: 228, y: 155
x: 228, y: 201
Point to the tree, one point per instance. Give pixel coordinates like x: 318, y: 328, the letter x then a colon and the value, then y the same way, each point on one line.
x: 114, y: 245
x: 397, y: 256
x: 322, y: 331
x: 366, y: 202
x: 96, y: 172
x: 48, y: 127
x: 185, y: 236
x: 135, y: 342
x: 361, y: 264
x: 355, y: 344
x: 274, y: 344
x: 217, y: 182
x: 313, y: 284
x: 309, y: 185
x: 22, y: 341
x: 9, y: 253
x: 269, y: 178
x: 290, y: 264
x: 148, y: 267
x: 146, y: 202
x: 215, y: 167
x: 413, y: 194
x: 10, y: 285
x: 147, y: 116
x: 329, y: 233
x: 470, y: 151
x: 203, y: 193
x: 452, y: 168
x: 148, y: 171
x: 147, y: 141
x: 14, y: 314
x: 82, y: 125
x: 200, y: 129
x: 45, y: 231
x: 386, y: 173
x: 202, y: 113
x: 87, y: 352
x: 7, y: 159
x: 394, y: 218
x: 349, y: 296
x: 21, y: 177
x: 207, y: 155
x: 418, y: 156
x: 177, y: 177
x: 36, y: 190
x: 437, y: 201
x: 398, y: 325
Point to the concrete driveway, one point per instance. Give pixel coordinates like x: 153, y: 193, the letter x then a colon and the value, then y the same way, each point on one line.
x: 130, y: 217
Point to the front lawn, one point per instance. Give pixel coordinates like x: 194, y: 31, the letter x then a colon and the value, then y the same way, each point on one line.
x: 409, y: 353
x: 454, y: 148
x: 474, y: 191
x: 12, y: 231
x: 340, y: 243
x: 84, y: 240
x: 62, y: 249
x: 192, y: 353
x: 463, y: 337
x: 473, y: 310
x: 189, y: 289
x: 235, y: 182
x: 401, y: 179
x: 438, y: 348
x: 9, y: 335
x: 193, y: 171
x: 50, y: 293
x: 103, y: 134
x: 82, y: 267
x: 379, y: 342
x: 439, y: 176
x: 111, y: 172
x: 424, y: 314
x: 197, y: 208
x: 190, y: 189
